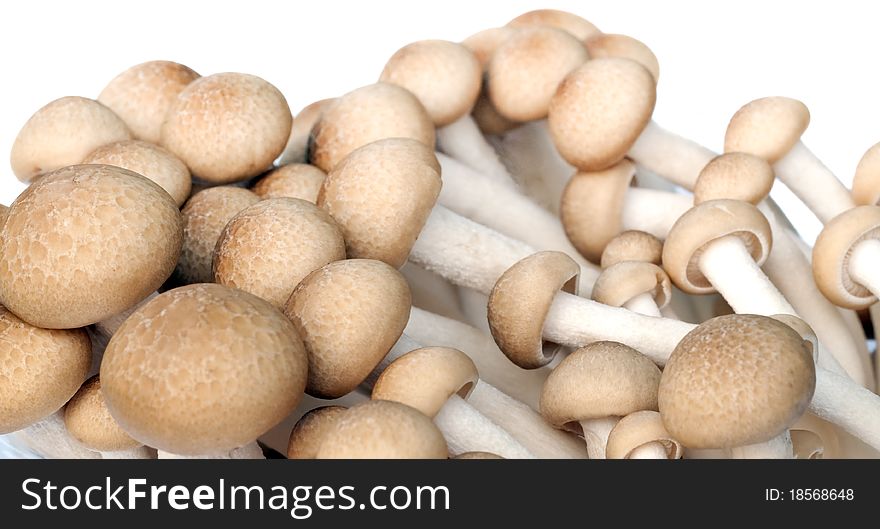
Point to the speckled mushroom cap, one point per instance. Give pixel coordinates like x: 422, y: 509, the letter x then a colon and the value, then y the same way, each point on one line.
x: 425, y: 378
x: 310, y: 430
x: 484, y: 43
x: 295, y: 180
x: 736, y: 380
x: 205, y: 215
x: 621, y: 282
x: 803, y: 328
x: 84, y: 243
x: 591, y: 207
x: 62, y: 133
x: 866, y: 182
x: 381, y: 195
x: 445, y: 77
x: 599, y: 111
x: 632, y: 245
x: 603, y: 379
x: 40, y: 369
x: 269, y: 247
x: 148, y: 160
x: 227, y: 127
x: 477, y: 455
x: 350, y: 314
x: 203, y: 369
x: 89, y: 421
x: 3, y: 212
x: 142, y: 95
x: 705, y: 223
x: 383, y: 429
x: 526, y: 69
x: 638, y: 429
x: 768, y: 127
x: 580, y: 28
x: 831, y: 256
x: 737, y: 176
x: 519, y: 303
x: 365, y: 115
x: 603, y: 45
x: 297, y: 148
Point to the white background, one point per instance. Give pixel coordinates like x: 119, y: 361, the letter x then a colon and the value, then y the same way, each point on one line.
x: 714, y: 56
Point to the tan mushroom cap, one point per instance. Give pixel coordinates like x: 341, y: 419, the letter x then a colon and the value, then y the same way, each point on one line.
x: 580, y: 28
x: 477, y: 455
x: 484, y: 43
x: 638, y: 429
x: 205, y: 215
x: 591, y: 208
x: 445, y: 76
x: 365, y: 115
x: 737, y: 176
x: 488, y: 119
x: 831, y: 256
x: 40, y: 370
x: 227, y: 127
x: 527, y: 68
x: 269, y: 247
x: 425, y: 378
x: 600, y: 110
x: 203, y: 369
x: 86, y: 242
x: 89, y: 421
x: 632, y: 245
x: 295, y: 180
x: 768, y: 127
x: 350, y: 314
x: 142, y: 95
x: 705, y: 223
x: 603, y: 379
x: 736, y: 380
x: 519, y: 303
x: 3, y: 212
x: 604, y: 45
x: 623, y: 281
x: 866, y: 182
x: 383, y: 429
x: 803, y: 328
x: 297, y: 148
x: 62, y: 133
x: 310, y: 430
x: 381, y: 195
x: 148, y: 160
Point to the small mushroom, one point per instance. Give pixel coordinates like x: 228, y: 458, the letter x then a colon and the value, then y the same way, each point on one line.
x: 297, y: 149
x: 578, y: 27
x: 737, y: 176
x: 483, y: 44
x: 603, y: 45
x: 295, y: 180
x: 635, y: 285
x: 641, y: 435
x: 632, y: 245
x: 846, y: 257
x: 310, y: 430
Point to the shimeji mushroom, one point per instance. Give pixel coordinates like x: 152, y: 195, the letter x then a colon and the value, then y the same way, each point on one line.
x: 846, y: 257
x: 483, y: 44
x: 635, y: 285
x: 309, y: 431
x: 641, y: 435
x: 294, y: 180
x: 578, y: 27
x: 603, y: 45
x: 297, y: 148
x: 632, y: 245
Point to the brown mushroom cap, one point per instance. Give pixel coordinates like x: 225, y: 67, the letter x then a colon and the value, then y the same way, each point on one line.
x: 831, y: 256
x: 736, y: 380
x: 62, y: 133
x: 295, y: 180
x: 370, y: 113
x: 519, y: 303
x: 603, y: 45
x: 591, y: 208
x: 148, y: 160
x: 866, y: 182
x: 142, y: 95
x: 632, y: 245
x: 600, y: 110
x: 477, y: 455
x: 705, y: 223
x: 310, y: 430
x: 623, y: 281
x: 381, y: 195
x: 484, y: 43
x: 269, y: 247
x: 84, y: 243
x: 350, y: 314
x: 203, y: 369
x: 803, y: 328
x: 297, y: 148
x: 89, y: 421
x: 445, y: 77
x: 737, y: 176
x: 638, y: 429
x: 580, y: 28
x: 768, y: 127
x: 603, y: 379
x: 40, y: 369
x: 227, y: 127
x: 488, y: 119
x: 383, y: 429
x: 425, y: 378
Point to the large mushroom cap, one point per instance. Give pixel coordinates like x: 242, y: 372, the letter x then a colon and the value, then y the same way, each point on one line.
x: 203, y: 369
x: 866, y: 182
x: 89, y: 421
x: 297, y: 148
x: 737, y: 176
x: 768, y: 127
x: 736, y: 380
x: 632, y: 245
x: 310, y: 430
x: 295, y: 180
x: 603, y: 45
x: 832, y: 251
x: 84, y: 243
x: 579, y: 27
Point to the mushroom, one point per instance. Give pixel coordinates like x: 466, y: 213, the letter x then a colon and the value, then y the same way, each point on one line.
x: 227, y: 127
x: 846, y: 256
x: 483, y: 44
x: 295, y: 180
x: 632, y: 245
x: 603, y: 45
x: 310, y: 430
x: 580, y: 28
x: 814, y: 438
x: 635, y: 285
x: 62, y: 133
x: 297, y: 149
x: 866, y: 182
x: 736, y: 176
x: 641, y: 435
x: 84, y: 243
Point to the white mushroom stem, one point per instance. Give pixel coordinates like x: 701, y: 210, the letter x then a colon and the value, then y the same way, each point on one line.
x: 643, y: 304
x: 652, y: 450
x: 248, y: 451
x: 596, y: 433
x: 852, y: 407
x: 140, y: 452
x: 813, y: 183
x: 669, y: 155
x: 864, y: 265
x: 653, y: 211
x: 779, y: 447
x: 463, y: 141
x: 467, y: 430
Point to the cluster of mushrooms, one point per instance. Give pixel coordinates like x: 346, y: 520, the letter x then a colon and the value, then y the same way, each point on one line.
x: 491, y: 252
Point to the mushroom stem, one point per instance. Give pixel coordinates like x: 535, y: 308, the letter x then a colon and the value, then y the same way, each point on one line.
x: 468, y: 430
x: 596, y: 434
x: 463, y: 141
x: 780, y: 447
x: 864, y: 261
x: 669, y: 155
x: 855, y: 409
x: 140, y: 452
x: 643, y: 304
x: 652, y: 450
x: 248, y: 451
x: 653, y: 211
x: 813, y: 183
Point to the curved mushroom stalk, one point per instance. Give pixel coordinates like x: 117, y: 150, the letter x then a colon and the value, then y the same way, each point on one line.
x: 467, y: 430
x: 248, y: 451
x: 463, y: 141
x: 780, y: 447
x: 677, y: 159
x: 596, y: 432
x: 813, y: 183
x: 643, y: 304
